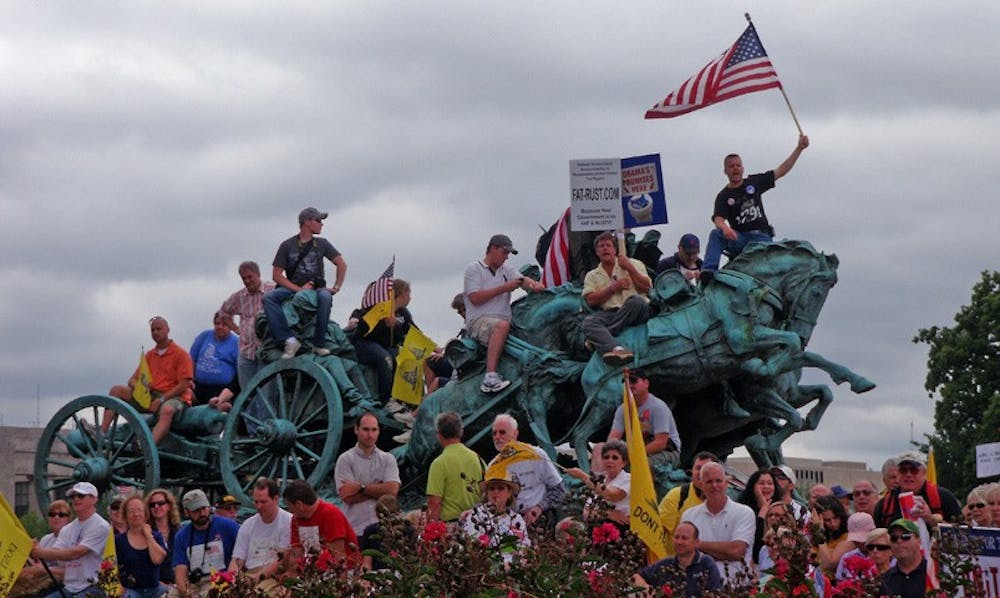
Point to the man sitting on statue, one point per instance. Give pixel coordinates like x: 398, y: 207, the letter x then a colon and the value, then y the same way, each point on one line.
x: 488, y: 285
x: 659, y: 430
x: 298, y: 266
x: 619, y: 286
x: 685, y: 260
x: 170, y: 370
x: 738, y: 214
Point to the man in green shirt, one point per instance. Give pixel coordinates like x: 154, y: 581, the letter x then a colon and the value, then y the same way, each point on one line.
x: 453, y: 480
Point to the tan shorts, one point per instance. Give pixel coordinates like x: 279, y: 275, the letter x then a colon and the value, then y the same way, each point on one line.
x: 482, y: 327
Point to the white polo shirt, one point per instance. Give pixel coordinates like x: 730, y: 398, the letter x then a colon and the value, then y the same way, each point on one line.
x: 734, y: 522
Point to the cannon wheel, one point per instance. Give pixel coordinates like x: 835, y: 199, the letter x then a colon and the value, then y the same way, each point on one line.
x: 104, y: 459
x: 296, y: 437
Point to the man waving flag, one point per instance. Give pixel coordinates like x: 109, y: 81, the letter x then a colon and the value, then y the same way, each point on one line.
x: 743, y: 68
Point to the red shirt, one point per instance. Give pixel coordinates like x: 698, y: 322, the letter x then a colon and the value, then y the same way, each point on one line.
x: 327, y: 524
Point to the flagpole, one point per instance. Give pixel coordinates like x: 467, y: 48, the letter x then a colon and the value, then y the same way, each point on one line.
x: 781, y: 88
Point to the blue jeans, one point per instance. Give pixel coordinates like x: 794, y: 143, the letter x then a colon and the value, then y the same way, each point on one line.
x: 382, y: 360
x: 246, y: 369
x: 717, y: 243
x: 154, y: 592
x: 91, y: 590
x: 277, y: 323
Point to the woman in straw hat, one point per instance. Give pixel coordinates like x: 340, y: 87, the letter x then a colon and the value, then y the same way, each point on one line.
x: 494, y: 521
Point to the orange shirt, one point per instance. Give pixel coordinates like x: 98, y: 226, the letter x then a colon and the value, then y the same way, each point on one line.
x: 169, y: 369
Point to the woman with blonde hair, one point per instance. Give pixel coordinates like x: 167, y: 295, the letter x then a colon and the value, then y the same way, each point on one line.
x: 980, y: 513
x: 141, y: 551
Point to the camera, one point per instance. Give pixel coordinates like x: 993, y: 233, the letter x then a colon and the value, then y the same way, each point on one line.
x: 196, y: 575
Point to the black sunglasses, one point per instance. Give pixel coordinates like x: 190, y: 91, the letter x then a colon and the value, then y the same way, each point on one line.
x: 901, y: 538
x: 878, y: 547
x: 58, y: 514
x: 977, y: 505
x: 157, y: 503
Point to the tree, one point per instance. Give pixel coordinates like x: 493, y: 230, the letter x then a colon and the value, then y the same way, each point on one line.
x: 963, y: 366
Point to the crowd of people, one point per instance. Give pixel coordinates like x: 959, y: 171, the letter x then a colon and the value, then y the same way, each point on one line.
x: 715, y: 536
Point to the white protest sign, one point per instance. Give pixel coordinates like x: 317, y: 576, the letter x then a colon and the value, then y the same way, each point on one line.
x: 595, y: 194
x: 987, y: 460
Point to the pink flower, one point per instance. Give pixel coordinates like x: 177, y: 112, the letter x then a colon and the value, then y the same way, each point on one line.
x: 781, y: 567
x: 861, y: 566
x: 484, y: 540
x: 667, y: 591
x: 435, y: 530
x: 607, y: 532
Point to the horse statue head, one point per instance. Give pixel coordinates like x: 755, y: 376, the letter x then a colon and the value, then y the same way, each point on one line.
x: 801, y: 276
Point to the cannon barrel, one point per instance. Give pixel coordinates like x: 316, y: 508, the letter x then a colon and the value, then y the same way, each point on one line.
x: 199, y: 421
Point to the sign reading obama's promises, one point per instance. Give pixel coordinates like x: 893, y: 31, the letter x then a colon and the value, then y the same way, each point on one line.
x: 613, y: 193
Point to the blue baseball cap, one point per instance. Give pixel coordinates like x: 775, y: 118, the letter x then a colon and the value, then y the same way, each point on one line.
x: 689, y: 242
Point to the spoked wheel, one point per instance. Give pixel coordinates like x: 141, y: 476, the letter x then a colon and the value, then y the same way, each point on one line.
x: 287, y: 425
x: 74, y: 449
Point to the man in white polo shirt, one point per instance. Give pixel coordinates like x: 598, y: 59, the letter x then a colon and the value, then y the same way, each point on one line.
x: 726, y: 527
x: 80, y: 545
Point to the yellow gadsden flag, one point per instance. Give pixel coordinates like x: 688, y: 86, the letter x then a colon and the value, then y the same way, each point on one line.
x: 141, y: 392
x: 644, y: 517
x: 408, y: 384
x: 15, y: 546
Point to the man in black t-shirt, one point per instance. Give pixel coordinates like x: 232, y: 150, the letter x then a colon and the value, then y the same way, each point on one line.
x: 739, y: 212
x: 298, y: 266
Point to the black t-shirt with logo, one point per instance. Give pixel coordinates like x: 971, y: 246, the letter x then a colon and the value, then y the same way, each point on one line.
x: 742, y: 206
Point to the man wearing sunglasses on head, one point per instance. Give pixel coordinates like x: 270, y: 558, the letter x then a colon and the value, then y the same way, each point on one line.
x: 80, y: 544
x: 931, y: 502
x: 908, y: 577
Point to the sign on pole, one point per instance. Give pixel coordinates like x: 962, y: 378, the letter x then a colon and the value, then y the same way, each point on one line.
x: 595, y: 194
x: 987, y: 460
x: 616, y: 193
x: 643, y: 200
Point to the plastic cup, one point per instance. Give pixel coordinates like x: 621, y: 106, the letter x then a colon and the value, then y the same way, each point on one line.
x: 906, y: 504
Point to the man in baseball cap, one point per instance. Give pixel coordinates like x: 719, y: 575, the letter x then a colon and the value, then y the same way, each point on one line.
x: 227, y: 506
x: 487, y: 288
x: 80, y: 544
x: 686, y: 259
x: 931, y: 502
x: 907, y: 578
x: 204, y: 546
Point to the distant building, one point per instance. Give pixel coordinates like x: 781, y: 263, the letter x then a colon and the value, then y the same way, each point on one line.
x: 17, y: 466
x: 817, y: 471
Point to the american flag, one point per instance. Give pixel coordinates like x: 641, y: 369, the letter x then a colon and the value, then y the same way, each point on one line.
x: 555, y: 270
x: 743, y: 68
x: 380, y: 290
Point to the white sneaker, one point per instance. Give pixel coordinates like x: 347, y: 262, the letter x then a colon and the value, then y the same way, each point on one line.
x: 405, y: 417
x: 492, y: 382
x: 403, y: 438
x: 394, y: 406
x: 292, y: 347
x: 321, y: 351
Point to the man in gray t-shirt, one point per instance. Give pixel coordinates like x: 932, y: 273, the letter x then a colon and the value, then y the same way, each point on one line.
x: 659, y: 430
x: 488, y: 284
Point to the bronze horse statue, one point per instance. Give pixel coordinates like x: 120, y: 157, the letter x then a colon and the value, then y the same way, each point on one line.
x: 726, y: 358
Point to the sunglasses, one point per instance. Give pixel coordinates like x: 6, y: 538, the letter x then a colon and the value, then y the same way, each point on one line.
x: 878, y: 547
x: 901, y: 538
x: 977, y: 505
x: 863, y: 492
x: 58, y: 514
x: 908, y: 468
x: 157, y: 503
x: 115, y: 507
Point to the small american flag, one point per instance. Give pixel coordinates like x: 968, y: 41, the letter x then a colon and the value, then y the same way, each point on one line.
x: 743, y: 68
x: 380, y: 290
x: 556, y: 267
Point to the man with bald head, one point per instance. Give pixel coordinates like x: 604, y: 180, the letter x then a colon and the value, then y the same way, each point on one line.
x: 542, y: 487
x: 171, y: 371
x: 726, y: 527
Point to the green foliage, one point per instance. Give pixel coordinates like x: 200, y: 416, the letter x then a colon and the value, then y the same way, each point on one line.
x: 963, y: 366
x: 35, y: 524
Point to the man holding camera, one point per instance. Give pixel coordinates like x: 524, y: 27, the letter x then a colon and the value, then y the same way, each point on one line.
x: 204, y: 545
x: 298, y: 266
x: 488, y: 285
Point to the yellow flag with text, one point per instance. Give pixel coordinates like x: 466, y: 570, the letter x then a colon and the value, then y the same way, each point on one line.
x: 15, y: 546
x: 112, y: 586
x: 141, y: 392
x: 408, y: 384
x: 644, y: 514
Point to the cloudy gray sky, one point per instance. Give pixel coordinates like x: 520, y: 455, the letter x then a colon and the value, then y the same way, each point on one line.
x: 146, y: 148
